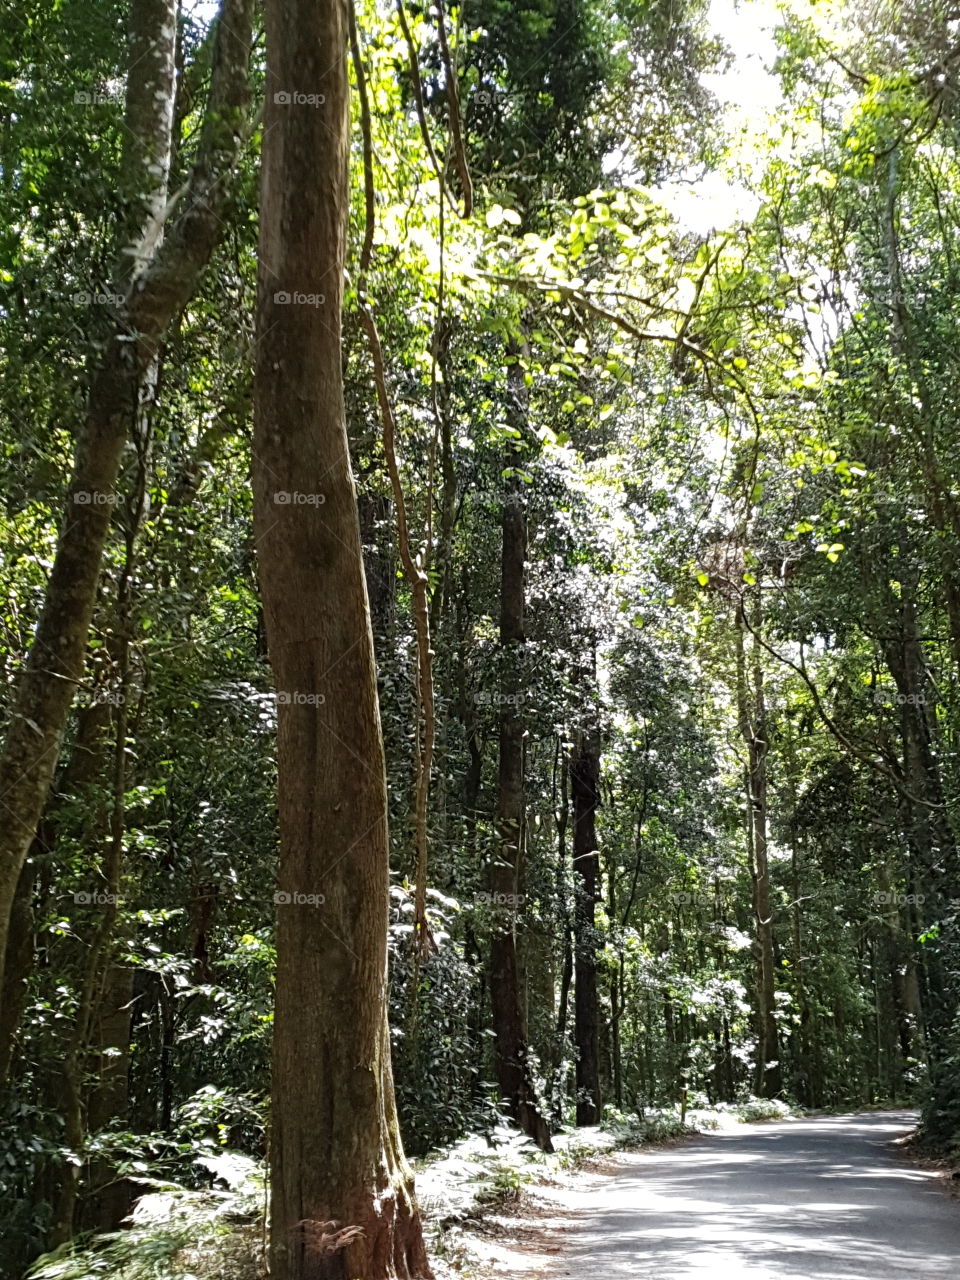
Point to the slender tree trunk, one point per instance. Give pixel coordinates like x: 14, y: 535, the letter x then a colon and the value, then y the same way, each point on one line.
x: 585, y: 786
x: 920, y: 415
x: 799, y: 970
x: 18, y: 967
x: 617, y: 1011
x: 81, y: 770
x: 617, y: 978
x: 377, y: 532
x: 102, y: 1022
x: 511, y: 1050
x: 904, y: 987
x: 474, y: 948
x: 443, y: 566
x: 110, y: 1196
x: 342, y: 1202
x: 934, y: 868
x: 561, y: 809
x: 753, y: 730
x: 99, y: 970
x: 165, y: 273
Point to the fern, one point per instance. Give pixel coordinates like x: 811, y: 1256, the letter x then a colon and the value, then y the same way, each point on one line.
x: 176, y: 1233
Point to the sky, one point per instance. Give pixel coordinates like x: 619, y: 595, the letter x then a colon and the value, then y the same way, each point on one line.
x: 749, y: 92
x: 746, y: 26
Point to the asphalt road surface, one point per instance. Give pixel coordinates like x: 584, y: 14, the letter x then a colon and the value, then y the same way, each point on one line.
x: 805, y: 1198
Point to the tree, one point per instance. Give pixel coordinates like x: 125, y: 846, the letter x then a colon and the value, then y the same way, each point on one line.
x: 585, y: 787
x: 754, y: 730
x: 342, y: 1201
x: 167, y: 265
x: 664, y: 521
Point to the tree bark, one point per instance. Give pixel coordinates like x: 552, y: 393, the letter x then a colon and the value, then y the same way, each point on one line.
x: 80, y: 771
x: 920, y: 415
x: 165, y: 273
x: 511, y: 1050
x: 585, y: 786
x: 617, y: 987
x: 562, y: 815
x: 110, y: 1196
x: 904, y: 986
x: 376, y: 528
x: 18, y: 967
x: 752, y: 717
x: 342, y: 1202
x: 933, y: 867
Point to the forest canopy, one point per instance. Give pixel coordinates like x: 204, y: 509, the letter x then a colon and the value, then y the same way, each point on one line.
x: 480, y: 545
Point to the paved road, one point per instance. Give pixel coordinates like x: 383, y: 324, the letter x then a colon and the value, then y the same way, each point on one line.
x: 805, y: 1198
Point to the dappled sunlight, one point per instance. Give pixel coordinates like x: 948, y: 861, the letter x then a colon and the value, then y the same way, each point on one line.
x: 480, y: 700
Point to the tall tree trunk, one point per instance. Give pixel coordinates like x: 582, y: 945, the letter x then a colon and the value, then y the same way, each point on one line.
x: 342, y: 1202
x: 799, y: 971
x: 511, y: 1050
x: 166, y: 270
x: 82, y: 769
x: 617, y: 1010
x: 934, y: 867
x: 561, y: 800
x: 448, y: 476
x: 904, y: 985
x: 101, y: 976
x: 585, y: 780
x: 102, y: 1021
x: 617, y: 987
x: 110, y: 1196
x: 920, y: 414
x: 474, y: 948
x: 753, y: 730
x: 379, y: 558
x: 18, y: 967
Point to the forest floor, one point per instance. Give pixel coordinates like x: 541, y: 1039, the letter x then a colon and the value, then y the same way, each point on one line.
x: 515, y: 1220
x: 801, y: 1198
x: 528, y: 1233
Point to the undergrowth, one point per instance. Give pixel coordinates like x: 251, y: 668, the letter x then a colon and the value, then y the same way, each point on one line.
x: 217, y: 1232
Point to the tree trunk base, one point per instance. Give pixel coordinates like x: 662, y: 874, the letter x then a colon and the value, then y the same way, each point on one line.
x: 384, y: 1242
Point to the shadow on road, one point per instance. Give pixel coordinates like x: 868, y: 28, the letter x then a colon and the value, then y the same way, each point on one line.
x: 809, y: 1198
